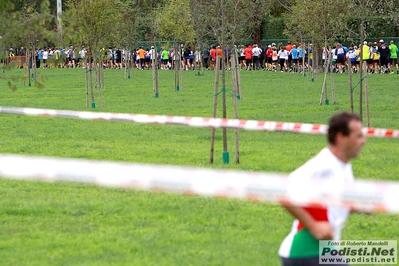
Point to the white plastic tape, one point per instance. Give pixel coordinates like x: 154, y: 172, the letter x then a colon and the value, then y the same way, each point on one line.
x: 361, y: 195
x: 194, y: 121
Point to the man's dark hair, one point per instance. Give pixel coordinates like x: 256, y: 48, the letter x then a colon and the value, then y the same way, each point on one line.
x: 339, y: 123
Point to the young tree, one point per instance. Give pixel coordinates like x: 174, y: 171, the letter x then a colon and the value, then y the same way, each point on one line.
x: 175, y: 23
x: 228, y: 21
x: 363, y: 12
x: 321, y: 22
x: 130, y: 28
x: 97, y: 22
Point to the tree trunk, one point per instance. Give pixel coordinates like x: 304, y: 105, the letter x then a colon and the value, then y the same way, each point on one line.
x: 154, y: 71
x: 97, y: 76
x: 324, y: 88
x: 257, y: 34
x: 177, y: 67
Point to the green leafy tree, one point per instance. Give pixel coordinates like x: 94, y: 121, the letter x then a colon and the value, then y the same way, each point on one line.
x: 229, y: 21
x: 130, y: 28
x: 139, y: 18
x: 359, y: 18
x: 260, y: 9
x: 96, y: 21
x: 25, y: 24
x: 175, y: 21
x: 391, y: 7
x: 28, y: 21
x: 321, y: 21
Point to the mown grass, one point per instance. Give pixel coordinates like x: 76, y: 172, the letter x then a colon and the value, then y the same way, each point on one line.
x: 72, y: 224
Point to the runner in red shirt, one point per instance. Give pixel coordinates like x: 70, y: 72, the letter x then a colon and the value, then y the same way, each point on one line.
x: 269, y: 60
x: 212, y: 52
x: 248, y: 56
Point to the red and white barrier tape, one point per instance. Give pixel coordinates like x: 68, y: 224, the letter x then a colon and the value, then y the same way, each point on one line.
x: 361, y: 195
x: 193, y: 121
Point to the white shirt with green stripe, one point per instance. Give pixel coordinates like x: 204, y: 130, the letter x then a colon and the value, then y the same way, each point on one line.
x: 327, y: 167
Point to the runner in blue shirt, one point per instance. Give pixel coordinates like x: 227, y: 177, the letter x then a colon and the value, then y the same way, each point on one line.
x: 295, y: 56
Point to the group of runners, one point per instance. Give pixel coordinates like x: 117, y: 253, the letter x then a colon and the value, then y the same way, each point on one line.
x: 285, y: 58
x: 377, y: 57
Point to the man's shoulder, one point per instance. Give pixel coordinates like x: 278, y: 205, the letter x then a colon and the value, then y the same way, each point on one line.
x: 319, y: 166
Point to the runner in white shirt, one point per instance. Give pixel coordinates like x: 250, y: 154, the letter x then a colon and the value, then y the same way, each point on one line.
x: 197, y: 56
x: 82, y: 55
x: 352, y: 58
x: 283, y: 58
x: 274, y: 58
x: 256, y: 51
x: 45, y: 57
x: 241, y: 58
x: 332, y: 164
x: 152, y: 53
x: 324, y: 57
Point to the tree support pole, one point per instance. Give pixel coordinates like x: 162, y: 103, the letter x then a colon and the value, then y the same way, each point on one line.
x: 350, y: 84
x: 234, y: 75
x: 154, y: 71
x: 224, y: 130
x: 215, y: 104
x: 324, y: 89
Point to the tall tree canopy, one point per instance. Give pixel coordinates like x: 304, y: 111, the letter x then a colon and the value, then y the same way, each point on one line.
x: 22, y: 22
x: 175, y: 21
x: 124, y: 21
x: 321, y: 21
x: 97, y: 21
x: 229, y: 20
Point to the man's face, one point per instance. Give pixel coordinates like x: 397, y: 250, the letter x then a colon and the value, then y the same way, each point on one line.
x: 355, y: 141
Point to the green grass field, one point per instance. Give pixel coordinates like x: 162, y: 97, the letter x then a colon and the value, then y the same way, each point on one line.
x: 74, y: 224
